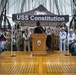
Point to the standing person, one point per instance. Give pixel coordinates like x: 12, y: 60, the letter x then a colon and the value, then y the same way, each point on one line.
x: 38, y: 29
x: 26, y: 37
x: 8, y: 40
x: 48, y: 39
x: 3, y: 41
x: 18, y: 39
x: 71, y: 37
x: 62, y: 39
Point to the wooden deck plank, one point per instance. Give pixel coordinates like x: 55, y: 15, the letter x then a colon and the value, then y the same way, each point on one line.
x: 54, y: 63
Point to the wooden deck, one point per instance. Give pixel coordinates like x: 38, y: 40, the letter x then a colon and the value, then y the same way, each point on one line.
x: 54, y: 63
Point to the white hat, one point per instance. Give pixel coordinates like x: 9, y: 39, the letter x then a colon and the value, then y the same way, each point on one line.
x: 63, y: 28
x: 71, y: 30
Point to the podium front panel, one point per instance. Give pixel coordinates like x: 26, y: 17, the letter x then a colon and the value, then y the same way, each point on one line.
x: 39, y: 44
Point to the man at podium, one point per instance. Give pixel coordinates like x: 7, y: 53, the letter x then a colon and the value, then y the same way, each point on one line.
x: 38, y: 29
x: 39, y: 41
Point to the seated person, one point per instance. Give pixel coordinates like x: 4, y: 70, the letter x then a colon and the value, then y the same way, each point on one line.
x: 73, y: 48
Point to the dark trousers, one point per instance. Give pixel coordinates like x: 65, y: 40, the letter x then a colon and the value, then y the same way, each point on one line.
x: 71, y: 47
x: 48, y: 41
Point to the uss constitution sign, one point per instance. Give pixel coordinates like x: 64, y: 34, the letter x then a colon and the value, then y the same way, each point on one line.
x: 49, y: 18
x: 39, y: 14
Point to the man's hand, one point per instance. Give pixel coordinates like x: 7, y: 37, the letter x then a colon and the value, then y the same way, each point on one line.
x: 70, y: 40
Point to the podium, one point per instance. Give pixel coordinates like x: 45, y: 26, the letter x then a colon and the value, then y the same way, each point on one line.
x: 39, y: 44
x: 53, y: 41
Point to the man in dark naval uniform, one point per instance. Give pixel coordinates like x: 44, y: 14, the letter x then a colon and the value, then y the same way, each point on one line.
x: 38, y: 29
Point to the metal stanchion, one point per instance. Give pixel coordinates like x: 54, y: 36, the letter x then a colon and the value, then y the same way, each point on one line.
x: 68, y: 54
x: 12, y: 54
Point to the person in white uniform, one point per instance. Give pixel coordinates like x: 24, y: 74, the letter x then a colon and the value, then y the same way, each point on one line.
x: 71, y: 37
x: 26, y: 37
x: 62, y: 39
